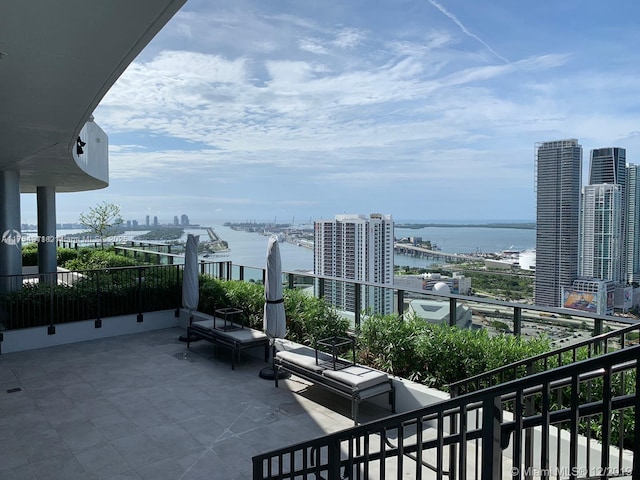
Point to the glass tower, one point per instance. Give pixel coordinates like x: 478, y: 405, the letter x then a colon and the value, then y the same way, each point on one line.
x: 557, y: 181
x: 601, y: 232
x: 632, y: 225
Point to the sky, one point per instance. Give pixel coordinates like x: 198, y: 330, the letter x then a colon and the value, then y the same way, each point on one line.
x: 428, y: 110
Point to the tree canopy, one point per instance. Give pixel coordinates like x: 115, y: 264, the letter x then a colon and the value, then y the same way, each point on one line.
x: 103, y: 220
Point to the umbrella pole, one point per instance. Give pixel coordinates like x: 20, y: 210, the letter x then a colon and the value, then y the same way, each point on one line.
x: 269, y: 373
x: 189, y: 338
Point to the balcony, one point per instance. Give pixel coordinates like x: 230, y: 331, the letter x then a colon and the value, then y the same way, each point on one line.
x: 143, y: 405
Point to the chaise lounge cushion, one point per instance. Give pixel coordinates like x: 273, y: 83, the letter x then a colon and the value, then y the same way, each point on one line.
x: 304, y: 357
x: 240, y: 335
x: 357, y: 377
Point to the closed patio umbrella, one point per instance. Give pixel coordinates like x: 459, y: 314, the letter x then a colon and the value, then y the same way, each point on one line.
x: 274, y: 320
x: 190, y: 282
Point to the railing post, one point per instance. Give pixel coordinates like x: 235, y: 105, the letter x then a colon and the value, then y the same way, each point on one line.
x: 517, y: 321
x: 597, y: 330
x: 291, y: 281
x: 52, y: 327
x: 400, y: 302
x: 241, y: 273
x: 453, y: 312
x: 321, y: 288
x: 529, y: 410
x: 491, y: 433
x: 179, y: 302
x: 140, y: 317
x: 636, y: 437
x: 98, y: 322
x: 333, y: 460
x: 358, y: 303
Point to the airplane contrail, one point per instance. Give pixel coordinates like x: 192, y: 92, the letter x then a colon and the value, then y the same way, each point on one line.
x: 455, y: 20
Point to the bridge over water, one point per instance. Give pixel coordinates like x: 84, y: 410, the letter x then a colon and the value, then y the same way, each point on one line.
x: 409, y: 249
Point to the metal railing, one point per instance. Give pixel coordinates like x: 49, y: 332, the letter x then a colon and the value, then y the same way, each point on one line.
x: 598, y: 345
x: 72, y: 296
x: 583, y: 424
x: 594, y: 324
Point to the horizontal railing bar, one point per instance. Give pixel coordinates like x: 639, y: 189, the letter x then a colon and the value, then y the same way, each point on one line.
x: 618, y: 357
x: 554, y: 353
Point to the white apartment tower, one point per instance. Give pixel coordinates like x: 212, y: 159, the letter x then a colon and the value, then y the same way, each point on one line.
x: 601, y: 234
x: 354, y: 247
x: 557, y: 181
x: 632, y: 225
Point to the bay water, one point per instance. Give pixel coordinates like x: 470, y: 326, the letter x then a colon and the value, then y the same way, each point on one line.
x: 250, y: 248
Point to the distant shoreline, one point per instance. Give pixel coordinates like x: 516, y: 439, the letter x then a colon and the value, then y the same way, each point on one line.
x: 515, y: 226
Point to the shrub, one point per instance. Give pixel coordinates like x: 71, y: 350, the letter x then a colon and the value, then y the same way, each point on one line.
x: 30, y: 254
x: 91, y: 259
x: 66, y: 254
x: 438, y: 355
x: 390, y: 344
x: 308, y: 318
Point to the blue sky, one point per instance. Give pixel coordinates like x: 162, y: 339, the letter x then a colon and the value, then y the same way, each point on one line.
x: 426, y: 110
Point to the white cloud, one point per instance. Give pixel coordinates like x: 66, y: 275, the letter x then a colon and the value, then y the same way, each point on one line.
x: 238, y: 94
x: 349, y: 38
x: 313, y: 45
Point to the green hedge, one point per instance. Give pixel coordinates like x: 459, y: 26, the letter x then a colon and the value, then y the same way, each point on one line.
x: 437, y: 355
x: 308, y: 318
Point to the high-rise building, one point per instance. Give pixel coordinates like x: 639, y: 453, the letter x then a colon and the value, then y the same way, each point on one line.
x: 184, y: 219
x: 358, y: 248
x: 155, y: 221
x: 632, y: 224
x: 557, y: 183
x: 175, y: 220
x: 146, y: 220
x: 601, y: 234
x: 608, y: 165
x: 602, y: 217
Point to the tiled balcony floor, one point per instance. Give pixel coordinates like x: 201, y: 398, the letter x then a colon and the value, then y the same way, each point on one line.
x: 143, y: 407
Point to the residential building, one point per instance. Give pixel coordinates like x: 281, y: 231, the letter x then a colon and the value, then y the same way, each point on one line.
x: 184, y: 219
x: 359, y: 248
x: 601, y: 234
x: 608, y: 165
x: 557, y: 183
x: 632, y: 225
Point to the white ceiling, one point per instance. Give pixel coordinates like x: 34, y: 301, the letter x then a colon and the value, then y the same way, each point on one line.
x: 58, y: 58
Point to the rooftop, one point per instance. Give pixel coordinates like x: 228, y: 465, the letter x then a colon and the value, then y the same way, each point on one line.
x: 142, y: 406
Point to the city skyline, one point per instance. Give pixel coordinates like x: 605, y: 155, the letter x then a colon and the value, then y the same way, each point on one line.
x: 427, y: 110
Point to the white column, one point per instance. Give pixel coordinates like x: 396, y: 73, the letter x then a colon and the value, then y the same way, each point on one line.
x: 47, y: 262
x: 10, y: 244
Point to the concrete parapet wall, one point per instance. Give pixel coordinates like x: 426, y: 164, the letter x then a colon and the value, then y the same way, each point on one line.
x: 38, y: 337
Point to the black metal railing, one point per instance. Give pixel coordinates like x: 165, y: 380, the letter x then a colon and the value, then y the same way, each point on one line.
x: 90, y: 294
x: 598, y: 345
x: 583, y: 425
x: 590, y: 324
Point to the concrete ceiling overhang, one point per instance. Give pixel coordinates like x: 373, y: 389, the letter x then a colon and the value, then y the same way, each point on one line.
x: 58, y: 58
